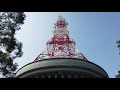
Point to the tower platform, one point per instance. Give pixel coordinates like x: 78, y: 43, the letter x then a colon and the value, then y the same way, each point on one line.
x: 61, y: 68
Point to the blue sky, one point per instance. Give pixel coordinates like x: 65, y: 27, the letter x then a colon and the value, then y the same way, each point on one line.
x: 95, y: 34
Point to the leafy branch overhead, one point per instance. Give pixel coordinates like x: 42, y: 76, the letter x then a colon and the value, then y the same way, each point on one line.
x: 10, y: 48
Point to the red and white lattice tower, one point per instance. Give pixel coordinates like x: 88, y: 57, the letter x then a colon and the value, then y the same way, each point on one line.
x: 60, y: 45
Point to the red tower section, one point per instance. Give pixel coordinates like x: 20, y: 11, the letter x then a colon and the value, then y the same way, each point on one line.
x: 60, y: 45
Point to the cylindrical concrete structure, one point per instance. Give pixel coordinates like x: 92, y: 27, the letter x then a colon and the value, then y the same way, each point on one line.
x: 61, y: 68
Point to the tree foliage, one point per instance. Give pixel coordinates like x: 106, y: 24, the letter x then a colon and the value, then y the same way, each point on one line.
x: 118, y: 46
x: 10, y: 48
x: 118, y: 76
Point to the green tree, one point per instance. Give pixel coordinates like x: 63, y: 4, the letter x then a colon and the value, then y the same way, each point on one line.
x: 10, y: 48
x: 118, y: 46
x: 118, y: 76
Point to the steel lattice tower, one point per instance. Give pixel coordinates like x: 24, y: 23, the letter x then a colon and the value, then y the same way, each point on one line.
x: 61, y: 59
x: 60, y: 45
